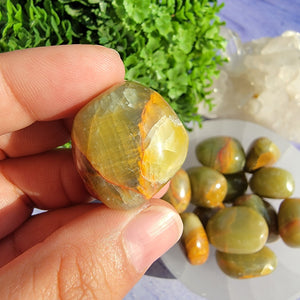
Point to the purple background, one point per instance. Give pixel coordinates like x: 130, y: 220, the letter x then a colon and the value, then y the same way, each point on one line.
x: 251, y: 19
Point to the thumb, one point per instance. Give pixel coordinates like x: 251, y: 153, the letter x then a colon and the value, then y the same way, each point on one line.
x: 99, y: 255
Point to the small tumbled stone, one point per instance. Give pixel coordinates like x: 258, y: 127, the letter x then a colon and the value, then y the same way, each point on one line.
x: 244, y: 266
x: 194, y: 239
x: 237, y: 229
x: 128, y: 143
x: 272, y: 182
x: 289, y: 221
x: 179, y: 192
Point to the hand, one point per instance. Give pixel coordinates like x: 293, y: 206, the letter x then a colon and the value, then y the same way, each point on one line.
x: 76, y: 250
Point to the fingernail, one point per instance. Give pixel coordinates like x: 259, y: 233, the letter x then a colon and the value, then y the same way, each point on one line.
x: 150, y: 234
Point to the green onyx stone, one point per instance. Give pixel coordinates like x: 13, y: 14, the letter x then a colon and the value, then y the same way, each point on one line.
x: 289, y: 221
x: 179, y: 192
x: 265, y: 209
x: 127, y: 144
x: 243, y: 266
x: 194, y: 239
x: 237, y: 229
x: 209, y: 186
x: 262, y: 153
x: 222, y: 153
x: 272, y: 182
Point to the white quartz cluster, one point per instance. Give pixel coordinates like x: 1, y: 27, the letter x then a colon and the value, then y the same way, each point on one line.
x: 261, y: 83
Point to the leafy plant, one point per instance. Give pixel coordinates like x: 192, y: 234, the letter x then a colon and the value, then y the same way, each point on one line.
x: 172, y: 46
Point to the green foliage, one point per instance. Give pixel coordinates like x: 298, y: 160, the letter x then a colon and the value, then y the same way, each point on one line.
x: 171, y: 46
x: 25, y: 24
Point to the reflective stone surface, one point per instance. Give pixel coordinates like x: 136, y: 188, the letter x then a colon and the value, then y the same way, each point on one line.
x: 239, y: 230
x: 194, y: 239
x: 265, y: 209
x: 179, y: 192
x: 272, y: 182
x: 128, y: 143
x: 209, y: 186
x: 243, y: 266
x: 224, y: 154
x: 263, y: 153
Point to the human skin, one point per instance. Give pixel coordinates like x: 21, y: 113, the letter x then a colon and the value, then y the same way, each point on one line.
x: 78, y: 249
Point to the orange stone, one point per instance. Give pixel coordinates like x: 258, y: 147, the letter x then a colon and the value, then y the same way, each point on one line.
x: 194, y: 239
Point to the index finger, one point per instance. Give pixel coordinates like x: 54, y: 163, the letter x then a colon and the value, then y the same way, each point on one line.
x: 51, y: 83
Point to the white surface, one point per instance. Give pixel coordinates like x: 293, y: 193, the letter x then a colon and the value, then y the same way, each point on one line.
x: 260, y: 83
x: 208, y: 280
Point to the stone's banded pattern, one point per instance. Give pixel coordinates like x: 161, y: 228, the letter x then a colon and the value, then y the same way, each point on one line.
x: 179, y: 192
x: 243, y: 266
x: 222, y: 153
x: 128, y: 142
x: 194, y: 239
x: 289, y: 221
x: 263, y: 153
x: 209, y: 187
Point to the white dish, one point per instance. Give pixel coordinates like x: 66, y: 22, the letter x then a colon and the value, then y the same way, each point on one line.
x: 208, y: 280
